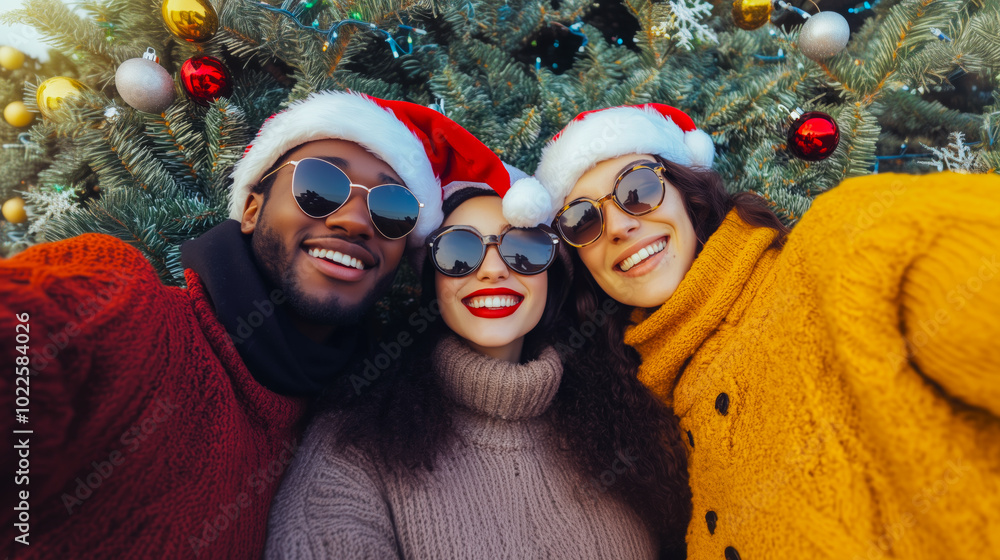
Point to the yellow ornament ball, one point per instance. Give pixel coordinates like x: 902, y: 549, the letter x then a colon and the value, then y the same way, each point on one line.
x: 13, y: 210
x: 751, y: 14
x: 51, y: 93
x: 11, y: 58
x: 192, y: 20
x: 17, y: 114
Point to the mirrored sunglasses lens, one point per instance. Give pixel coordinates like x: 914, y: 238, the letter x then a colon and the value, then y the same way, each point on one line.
x: 527, y: 251
x: 640, y: 191
x: 458, y: 252
x: 319, y: 187
x: 580, y: 223
x: 394, y: 210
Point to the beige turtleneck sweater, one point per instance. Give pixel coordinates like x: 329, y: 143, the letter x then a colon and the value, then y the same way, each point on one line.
x: 500, y: 491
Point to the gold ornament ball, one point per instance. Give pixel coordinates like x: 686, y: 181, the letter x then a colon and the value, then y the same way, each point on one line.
x: 51, y: 93
x: 751, y: 14
x: 192, y: 20
x: 13, y: 210
x: 11, y: 58
x: 17, y: 114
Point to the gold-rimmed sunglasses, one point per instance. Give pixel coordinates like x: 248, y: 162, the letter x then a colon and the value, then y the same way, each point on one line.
x: 637, y: 191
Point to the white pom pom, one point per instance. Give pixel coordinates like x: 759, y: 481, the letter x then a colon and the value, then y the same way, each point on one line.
x: 700, y: 147
x: 527, y: 204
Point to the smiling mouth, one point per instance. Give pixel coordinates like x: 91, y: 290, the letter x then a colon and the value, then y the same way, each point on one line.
x: 336, y: 257
x: 642, y: 254
x: 492, y: 302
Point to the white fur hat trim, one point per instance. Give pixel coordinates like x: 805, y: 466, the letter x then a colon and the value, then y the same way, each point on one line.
x: 346, y: 116
x: 597, y: 137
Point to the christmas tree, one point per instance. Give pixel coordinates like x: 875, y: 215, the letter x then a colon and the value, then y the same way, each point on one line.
x: 142, y: 148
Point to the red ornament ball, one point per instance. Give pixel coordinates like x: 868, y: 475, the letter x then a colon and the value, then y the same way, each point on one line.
x: 205, y: 79
x: 813, y: 136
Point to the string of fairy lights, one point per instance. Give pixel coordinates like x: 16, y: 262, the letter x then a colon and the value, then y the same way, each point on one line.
x: 331, y: 33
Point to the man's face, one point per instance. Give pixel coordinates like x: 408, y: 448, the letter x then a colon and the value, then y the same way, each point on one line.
x: 319, y: 290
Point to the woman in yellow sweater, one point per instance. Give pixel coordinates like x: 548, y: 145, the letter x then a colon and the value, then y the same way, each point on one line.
x: 839, y: 388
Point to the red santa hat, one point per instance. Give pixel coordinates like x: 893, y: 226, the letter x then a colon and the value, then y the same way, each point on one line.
x: 425, y: 148
x: 595, y: 136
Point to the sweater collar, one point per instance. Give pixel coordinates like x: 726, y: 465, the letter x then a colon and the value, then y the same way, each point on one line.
x: 271, y: 408
x: 277, y: 354
x: 497, y: 388
x: 703, y: 299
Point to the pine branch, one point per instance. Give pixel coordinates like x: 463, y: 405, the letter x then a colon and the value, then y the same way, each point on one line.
x: 858, y: 133
x: 227, y: 136
x: 178, y: 140
x: 155, y: 226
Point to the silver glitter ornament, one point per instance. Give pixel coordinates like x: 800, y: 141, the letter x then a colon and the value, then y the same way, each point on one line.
x: 824, y: 35
x: 144, y: 84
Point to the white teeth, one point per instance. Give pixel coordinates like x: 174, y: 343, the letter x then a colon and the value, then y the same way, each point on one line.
x: 493, y: 302
x: 643, y: 254
x: 337, y: 257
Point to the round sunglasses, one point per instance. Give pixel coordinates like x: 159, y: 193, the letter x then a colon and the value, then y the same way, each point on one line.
x: 460, y: 250
x: 638, y: 191
x: 320, y: 188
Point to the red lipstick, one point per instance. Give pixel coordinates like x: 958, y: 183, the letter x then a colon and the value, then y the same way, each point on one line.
x: 487, y: 313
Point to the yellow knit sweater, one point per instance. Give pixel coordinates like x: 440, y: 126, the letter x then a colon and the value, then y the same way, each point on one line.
x: 841, y: 396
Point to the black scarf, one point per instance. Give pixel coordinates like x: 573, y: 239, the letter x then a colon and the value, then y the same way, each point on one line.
x: 278, y: 355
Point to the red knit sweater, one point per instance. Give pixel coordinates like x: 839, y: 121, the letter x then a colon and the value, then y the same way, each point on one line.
x: 150, y: 437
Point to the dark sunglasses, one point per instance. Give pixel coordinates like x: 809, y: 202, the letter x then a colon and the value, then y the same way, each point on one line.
x: 321, y: 188
x: 638, y: 190
x: 460, y: 250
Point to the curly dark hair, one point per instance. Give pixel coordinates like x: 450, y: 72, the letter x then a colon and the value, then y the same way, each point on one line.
x: 604, y: 416
x: 707, y: 203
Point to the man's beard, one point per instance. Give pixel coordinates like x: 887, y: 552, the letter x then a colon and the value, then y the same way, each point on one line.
x: 277, y: 267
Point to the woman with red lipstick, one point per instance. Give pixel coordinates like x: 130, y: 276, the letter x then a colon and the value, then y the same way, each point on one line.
x: 837, y: 386
x: 483, y: 440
